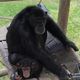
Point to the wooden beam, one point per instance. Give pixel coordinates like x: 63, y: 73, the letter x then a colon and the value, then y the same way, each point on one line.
x: 3, y: 72
x: 4, y: 55
x: 9, y: 18
x: 63, y: 14
x: 7, y: 0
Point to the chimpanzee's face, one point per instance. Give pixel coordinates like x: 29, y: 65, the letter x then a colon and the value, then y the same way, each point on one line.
x: 38, y: 21
x: 27, y: 67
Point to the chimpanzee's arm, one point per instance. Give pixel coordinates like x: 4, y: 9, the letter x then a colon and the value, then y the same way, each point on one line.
x: 55, y: 30
x: 46, y: 59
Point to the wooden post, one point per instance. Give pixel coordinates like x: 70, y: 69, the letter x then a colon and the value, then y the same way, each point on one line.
x: 63, y: 14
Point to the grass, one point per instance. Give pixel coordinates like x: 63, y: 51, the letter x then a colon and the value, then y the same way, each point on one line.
x: 4, y: 78
x: 73, y: 31
x: 10, y: 9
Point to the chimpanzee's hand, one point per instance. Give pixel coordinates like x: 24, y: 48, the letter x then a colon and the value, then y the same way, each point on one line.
x: 65, y: 73
x: 72, y: 45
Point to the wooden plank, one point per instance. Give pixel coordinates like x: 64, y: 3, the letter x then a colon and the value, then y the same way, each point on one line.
x: 3, y: 31
x: 4, y: 44
x: 4, y: 55
x: 9, y: 18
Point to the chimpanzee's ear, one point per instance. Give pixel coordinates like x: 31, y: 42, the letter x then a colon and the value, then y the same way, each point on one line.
x: 46, y: 12
x: 7, y: 28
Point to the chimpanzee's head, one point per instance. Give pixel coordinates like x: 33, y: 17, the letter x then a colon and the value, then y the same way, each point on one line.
x: 37, y: 20
x: 29, y: 68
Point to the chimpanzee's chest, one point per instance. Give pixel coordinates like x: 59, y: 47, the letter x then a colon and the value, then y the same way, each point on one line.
x: 41, y: 39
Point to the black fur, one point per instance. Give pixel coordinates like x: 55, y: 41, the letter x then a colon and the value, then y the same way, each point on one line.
x: 22, y: 39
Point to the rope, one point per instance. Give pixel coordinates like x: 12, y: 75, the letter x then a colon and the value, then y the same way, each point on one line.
x: 40, y: 1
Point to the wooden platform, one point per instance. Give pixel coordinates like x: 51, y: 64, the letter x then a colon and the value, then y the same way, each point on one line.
x: 3, y: 32
x: 67, y: 57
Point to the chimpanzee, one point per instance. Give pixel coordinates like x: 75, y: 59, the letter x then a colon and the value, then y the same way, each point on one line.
x: 28, y: 68
x: 27, y: 35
